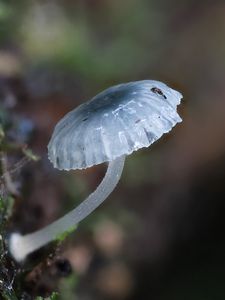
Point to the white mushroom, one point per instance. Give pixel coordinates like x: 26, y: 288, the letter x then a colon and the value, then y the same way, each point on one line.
x: 116, y: 122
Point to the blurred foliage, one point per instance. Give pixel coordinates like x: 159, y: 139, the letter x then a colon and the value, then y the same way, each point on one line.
x: 68, y: 288
x: 91, y: 42
x: 54, y: 296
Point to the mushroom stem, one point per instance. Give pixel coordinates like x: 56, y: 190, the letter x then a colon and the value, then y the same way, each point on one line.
x: 22, y: 245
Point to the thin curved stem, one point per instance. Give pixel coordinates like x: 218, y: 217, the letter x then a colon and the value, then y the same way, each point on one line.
x: 21, y: 246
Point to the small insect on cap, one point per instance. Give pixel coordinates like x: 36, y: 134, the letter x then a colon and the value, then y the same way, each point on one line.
x: 116, y: 122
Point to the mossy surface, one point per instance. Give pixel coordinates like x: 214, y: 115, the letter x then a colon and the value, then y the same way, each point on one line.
x: 13, y: 157
x: 61, y: 237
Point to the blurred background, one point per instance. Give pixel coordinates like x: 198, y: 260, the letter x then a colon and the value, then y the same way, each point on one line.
x: 160, y: 235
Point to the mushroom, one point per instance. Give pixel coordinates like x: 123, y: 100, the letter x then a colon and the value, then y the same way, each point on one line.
x: 112, y: 125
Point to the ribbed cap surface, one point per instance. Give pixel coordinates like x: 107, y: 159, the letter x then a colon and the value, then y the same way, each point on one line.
x: 118, y: 121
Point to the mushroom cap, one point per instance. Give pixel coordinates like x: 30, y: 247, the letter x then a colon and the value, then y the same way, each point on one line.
x: 116, y: 122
